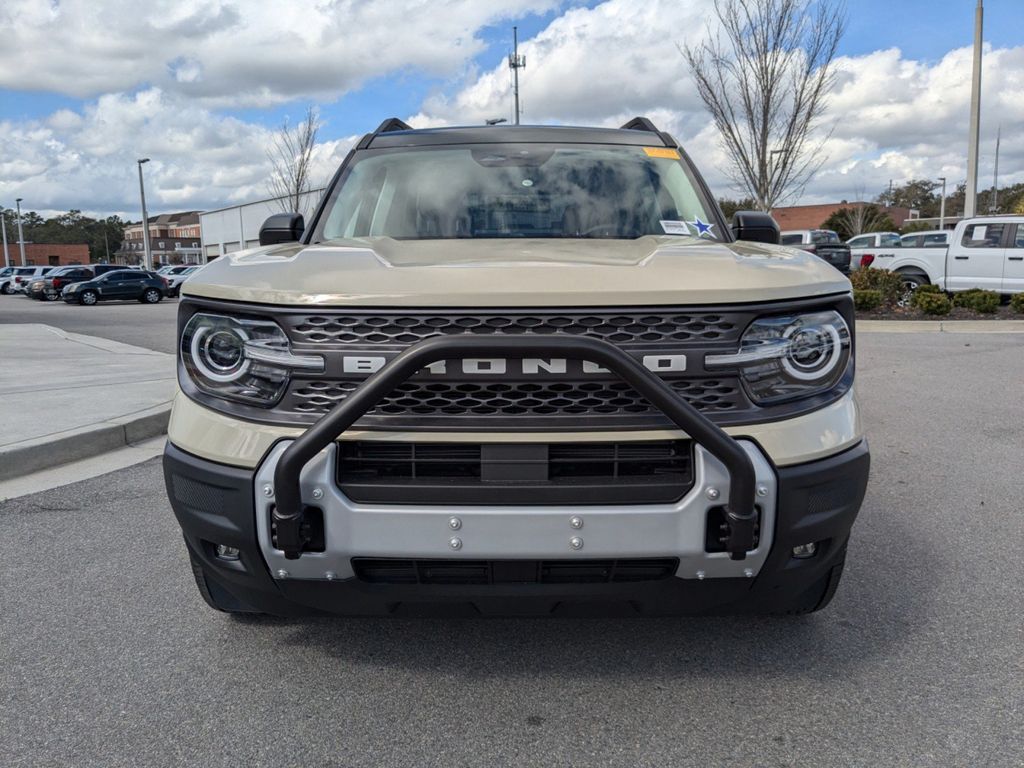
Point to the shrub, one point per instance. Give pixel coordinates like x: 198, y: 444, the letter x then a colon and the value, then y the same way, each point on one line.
x: 933, y: 303
x: 889, y: 284
x: 1017, y: 303
x: 867, y: 300
x: 977, y: 299
x: 924, y: 290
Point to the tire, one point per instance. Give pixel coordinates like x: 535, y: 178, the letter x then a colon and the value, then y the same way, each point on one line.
x: 5, y: 289
x: 911, y: 282
x: 820, y: 594
x: 214, y: 595
x: 51, y: 296
x: 88, y: 298
x: 151, y: 296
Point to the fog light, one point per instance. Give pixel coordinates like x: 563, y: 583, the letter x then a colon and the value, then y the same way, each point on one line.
x: 224, y: 552
x: 804, y: 551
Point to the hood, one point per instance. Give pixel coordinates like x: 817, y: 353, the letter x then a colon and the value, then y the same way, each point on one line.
x: 509, y: 273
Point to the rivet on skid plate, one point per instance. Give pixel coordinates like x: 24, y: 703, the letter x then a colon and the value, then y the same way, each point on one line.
x: 330, y: 575
x: 454, y: 523
x: 455, y: 543
x: 576, y: 522
x: 268, y: 490
x: 748, y: 572
x: 712, y: 493
x: 701, y: 575
x: 576, y: 542
x: 762, y: 490
x: 282, y: 574
x: 318, y: 493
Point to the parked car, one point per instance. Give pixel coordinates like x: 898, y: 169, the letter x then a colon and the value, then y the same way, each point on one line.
x: 50, y: 286
x: 174, y: 269
x: 984, y: 252
x: 938, y: 238
x: 102, y: 269
x: 864, y: 248
x: 823, y: 243
x: 175, y: 280
x: 122, y: 285
x: 587, y: 284
x: 20, y: 277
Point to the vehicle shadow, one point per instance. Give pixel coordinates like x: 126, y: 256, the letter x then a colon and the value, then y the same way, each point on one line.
x: 875, y: 610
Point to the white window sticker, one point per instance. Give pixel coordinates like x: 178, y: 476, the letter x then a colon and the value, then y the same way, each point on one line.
x: 979, y: 232
x: 675, y: 227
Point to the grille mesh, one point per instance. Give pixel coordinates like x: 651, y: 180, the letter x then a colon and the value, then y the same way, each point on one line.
x: 519, y: 399
x: 623, y: 328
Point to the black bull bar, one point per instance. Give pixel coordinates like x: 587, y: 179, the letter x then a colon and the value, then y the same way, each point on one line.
x: 288, y: 512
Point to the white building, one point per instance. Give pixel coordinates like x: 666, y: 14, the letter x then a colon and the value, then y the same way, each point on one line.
x: 227, y: 230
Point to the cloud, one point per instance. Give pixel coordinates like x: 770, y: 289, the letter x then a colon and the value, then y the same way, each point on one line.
x: 87, y: 160
x: 155, y: 84
x: 888, y: 118
x: 254, y: 53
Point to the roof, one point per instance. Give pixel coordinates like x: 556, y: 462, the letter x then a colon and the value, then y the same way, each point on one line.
x: 512, y: 134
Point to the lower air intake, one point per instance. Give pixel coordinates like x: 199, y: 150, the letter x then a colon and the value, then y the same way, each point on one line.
x: 396, y: 571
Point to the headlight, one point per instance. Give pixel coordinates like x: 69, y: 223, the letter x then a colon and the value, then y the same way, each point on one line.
x: 241, y: 359
x: 783, y: 358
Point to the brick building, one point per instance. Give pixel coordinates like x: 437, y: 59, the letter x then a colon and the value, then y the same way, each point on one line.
x: 173, y: 239
x: 814, y: 216
x: 49, y: 254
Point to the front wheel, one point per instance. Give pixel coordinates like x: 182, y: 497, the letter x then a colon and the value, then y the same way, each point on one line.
x: 5, y: 289
x: 88, y: 298
x: 52, y: 296
x: 151, y: 296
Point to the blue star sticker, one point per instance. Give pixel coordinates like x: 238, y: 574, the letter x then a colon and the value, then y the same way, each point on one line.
x: 702, y: 228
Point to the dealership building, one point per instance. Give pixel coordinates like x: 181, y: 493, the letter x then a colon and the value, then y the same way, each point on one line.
x: 226, y: 230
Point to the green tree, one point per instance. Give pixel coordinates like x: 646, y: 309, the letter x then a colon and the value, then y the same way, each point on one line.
x: 729, y: 206
x: 917, y: 193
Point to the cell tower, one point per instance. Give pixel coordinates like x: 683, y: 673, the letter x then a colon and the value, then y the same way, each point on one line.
x: 515, y: 63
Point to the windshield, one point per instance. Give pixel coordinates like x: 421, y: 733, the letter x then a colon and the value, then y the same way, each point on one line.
x: 824, y: 236
x: 517, y: 190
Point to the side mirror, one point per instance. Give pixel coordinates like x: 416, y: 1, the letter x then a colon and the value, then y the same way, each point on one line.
x: 755, y: 226
x: 282, y: 228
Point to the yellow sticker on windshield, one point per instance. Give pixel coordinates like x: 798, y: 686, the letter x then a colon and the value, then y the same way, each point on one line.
x: 671, y: 154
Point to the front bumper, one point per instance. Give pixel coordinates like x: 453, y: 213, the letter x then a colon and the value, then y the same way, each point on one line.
x: 813, y: 502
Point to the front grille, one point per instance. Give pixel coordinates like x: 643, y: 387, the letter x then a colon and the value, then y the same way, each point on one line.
x: 395, y: 571
x: 575, y: 398
x: 388, y: 472
x: 620, y: 328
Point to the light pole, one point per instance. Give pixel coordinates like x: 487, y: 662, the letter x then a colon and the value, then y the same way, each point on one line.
x: 3, y: 231
x: 971, y: 198
x: 942, y: 204
x: 148, y: 255
x: 21, y: 235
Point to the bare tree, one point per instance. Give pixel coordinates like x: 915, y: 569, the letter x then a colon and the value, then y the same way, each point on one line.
x: 291, y: 155
x: 765, y: 78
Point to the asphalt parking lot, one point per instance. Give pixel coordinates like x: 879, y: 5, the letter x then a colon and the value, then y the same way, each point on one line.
x: 112, y: 659
x: 144, y: 325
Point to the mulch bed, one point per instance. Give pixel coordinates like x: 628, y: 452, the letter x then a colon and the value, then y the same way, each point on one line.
x: 1004, y: 312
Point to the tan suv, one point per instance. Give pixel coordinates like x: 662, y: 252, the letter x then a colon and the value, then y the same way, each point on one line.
x: 511, y: 369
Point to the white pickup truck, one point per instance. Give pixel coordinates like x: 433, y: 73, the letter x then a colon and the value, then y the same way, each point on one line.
x: 984, y: 252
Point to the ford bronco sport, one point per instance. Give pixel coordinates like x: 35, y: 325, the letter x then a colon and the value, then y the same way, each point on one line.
x: 516, y: 369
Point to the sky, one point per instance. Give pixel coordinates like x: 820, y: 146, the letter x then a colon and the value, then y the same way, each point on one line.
x: 201, y: 86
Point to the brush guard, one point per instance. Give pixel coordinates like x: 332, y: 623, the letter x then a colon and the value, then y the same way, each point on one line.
x: 289, y: 514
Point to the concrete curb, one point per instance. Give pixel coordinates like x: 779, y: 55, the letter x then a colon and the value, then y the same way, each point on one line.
x: 940, y: 326
x: 27, y: 456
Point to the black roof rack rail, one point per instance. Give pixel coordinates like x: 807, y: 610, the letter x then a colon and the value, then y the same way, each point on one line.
x: 644, y: 124
x: 389, y: 125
